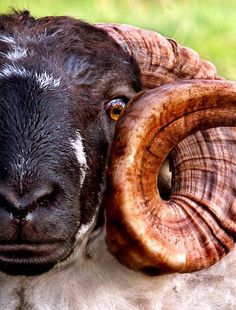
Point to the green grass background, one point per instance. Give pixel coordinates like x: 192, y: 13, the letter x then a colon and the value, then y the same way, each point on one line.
x: 208, y: 26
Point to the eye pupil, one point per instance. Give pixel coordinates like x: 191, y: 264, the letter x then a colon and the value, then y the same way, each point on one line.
x: 117, y: 110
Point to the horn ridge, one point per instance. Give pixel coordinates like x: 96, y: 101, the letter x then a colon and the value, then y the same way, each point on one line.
x: 161, y: 60
x: 197, y: 225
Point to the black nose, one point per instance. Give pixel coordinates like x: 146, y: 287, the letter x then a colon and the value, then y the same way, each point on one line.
x: 21, y: 205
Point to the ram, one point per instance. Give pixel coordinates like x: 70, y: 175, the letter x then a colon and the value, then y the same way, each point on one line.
x: 64, y: 84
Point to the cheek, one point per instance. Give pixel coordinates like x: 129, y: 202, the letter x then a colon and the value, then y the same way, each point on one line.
x: 95, y: 177
x: 80, y: 154
x: 50, y: 225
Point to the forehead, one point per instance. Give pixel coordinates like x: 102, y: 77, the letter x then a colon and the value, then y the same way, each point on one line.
x: 34, y: 122
x: 27, y: 94
x: 47, y: 71
x: 71, y: 45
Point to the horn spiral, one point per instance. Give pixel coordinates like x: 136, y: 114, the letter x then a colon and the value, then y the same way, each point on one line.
x: 196, y: 226
x: 161, y: 60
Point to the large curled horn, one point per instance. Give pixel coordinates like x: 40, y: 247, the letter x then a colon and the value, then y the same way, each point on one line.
x: 196, y: 226
x: 161, y: 60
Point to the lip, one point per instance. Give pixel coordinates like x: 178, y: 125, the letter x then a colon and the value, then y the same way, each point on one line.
x: 31, y: 258
x: 25, y: 249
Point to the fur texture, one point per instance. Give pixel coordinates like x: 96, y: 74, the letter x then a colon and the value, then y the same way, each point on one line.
x: 93, y: 280
x: 57, y: 77
x: 66, y: 61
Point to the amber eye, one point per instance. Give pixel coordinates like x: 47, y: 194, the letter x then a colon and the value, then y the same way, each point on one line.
x: 115, y: 108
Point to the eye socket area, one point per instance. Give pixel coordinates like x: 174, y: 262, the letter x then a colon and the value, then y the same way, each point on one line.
x: 116, y: 107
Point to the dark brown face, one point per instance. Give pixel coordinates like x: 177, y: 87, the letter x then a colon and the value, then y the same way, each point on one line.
x: 56, y: 125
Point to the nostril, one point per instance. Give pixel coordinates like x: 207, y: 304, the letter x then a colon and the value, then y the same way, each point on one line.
x: 5, y: 204
x: 42, y: 196
x: 46, y: 199
x: 11, y: 207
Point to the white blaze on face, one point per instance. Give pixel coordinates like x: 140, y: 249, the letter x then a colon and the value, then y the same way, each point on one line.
x: 7, y: 39
x: 85, y: 229
x: 17, y: 53
x: 10, y: 70
x: 45, y: 80
x: 77, y: 145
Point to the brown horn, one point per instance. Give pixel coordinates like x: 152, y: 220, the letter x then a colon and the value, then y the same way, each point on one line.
x: 161, y: 60
x: 197, y: 225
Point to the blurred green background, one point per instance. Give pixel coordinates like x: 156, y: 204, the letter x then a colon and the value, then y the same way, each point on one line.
x: 208, y: 26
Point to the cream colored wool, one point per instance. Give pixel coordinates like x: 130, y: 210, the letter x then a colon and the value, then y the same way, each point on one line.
x: 98, y: 282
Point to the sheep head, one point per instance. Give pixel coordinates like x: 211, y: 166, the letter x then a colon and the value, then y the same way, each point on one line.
x: 61, y: 81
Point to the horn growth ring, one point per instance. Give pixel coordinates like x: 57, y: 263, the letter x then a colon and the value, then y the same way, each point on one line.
x: 197, y: 225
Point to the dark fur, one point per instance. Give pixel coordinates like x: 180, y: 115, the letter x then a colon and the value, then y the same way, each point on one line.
x: 36, y: 127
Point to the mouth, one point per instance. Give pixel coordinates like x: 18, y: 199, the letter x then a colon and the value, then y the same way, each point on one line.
x: 32, y: 258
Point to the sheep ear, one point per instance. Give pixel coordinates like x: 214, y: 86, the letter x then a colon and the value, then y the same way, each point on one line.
x: 161, y: 60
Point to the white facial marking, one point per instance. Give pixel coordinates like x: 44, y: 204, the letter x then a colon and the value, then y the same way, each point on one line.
x: 7, y: 39
x: 85, y: 228
x: 77, y: 145
x: 17, y: 53
x: 10, y: 70
x: 45, y: 80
